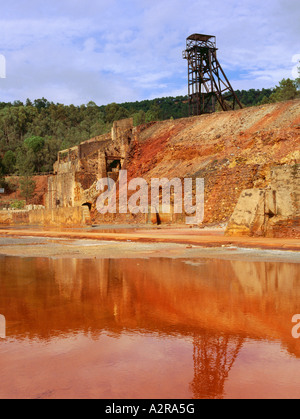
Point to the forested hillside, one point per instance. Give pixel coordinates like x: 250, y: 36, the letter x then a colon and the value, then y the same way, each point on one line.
x: 32, y: 133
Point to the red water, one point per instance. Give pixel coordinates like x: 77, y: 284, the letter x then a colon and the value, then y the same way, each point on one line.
x: 156, y: 328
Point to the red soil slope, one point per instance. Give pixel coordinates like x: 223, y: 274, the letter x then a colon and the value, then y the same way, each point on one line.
x: 232, y: 151
x: 38, y: 197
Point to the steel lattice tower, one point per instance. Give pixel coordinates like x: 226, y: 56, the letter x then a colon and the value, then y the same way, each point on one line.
x: 207, y: 81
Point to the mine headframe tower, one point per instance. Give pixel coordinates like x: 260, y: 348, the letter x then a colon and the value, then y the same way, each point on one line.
x: 208, y: 83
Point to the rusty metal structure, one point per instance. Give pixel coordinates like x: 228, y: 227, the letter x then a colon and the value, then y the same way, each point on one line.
x: 207, y: 82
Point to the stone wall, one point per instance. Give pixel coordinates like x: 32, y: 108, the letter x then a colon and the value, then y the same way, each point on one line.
x: 8, y: 218
x: 285, y: 184
x: 61, y: 190
x: 122, y: 134
x: 65, y: 217
x: 273, y: 211
x: 90, y: 146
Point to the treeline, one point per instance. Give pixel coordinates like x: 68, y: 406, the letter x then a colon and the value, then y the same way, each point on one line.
x: 32, y: 133
x: 177, y: 107
x: 286, y: 90
x: 253, y: 97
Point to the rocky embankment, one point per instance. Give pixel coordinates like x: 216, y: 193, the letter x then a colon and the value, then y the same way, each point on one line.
x: 233, y: 152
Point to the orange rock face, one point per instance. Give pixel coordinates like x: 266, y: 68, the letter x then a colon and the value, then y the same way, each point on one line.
x: 232, y: 151
x: 41, y: 188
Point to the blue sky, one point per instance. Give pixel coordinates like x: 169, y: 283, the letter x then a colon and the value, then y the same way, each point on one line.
x: 74, y: 51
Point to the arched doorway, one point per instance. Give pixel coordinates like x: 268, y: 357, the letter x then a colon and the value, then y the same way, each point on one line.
x: 87, y: 204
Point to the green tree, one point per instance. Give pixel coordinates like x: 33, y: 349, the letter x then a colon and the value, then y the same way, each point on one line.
x: 41, y: 104
x: 139, y: 118
x: 27, y: 187
x: 9, y: 162
x: 34, y: 143
x: 265, y: 100
x: 115, y: 112
x: 287, y: 90
x: 121, y: 114
x: 153, y: 114
x: 91, y: 104
x: 25, y: 162
x: 110, y: 112
x: 25, y: 167
x: 18, y: 103
x: 298, y: 78
x: 2, y: 178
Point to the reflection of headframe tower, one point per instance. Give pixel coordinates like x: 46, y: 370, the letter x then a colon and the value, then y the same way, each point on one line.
x: 214, y: 357
x: 207, y: 81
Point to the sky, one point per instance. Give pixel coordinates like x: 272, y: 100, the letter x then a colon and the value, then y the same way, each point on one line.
x: 76, y: 51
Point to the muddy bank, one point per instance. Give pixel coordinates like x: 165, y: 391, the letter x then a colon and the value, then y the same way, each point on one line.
x: 188, y: 237
x: 42, y: 247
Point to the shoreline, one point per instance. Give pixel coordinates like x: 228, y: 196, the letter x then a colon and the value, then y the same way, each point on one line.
x: 159, y: 243
x: 203, y: 238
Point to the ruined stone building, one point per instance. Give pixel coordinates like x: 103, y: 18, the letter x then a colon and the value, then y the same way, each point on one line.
x: 78, y: 169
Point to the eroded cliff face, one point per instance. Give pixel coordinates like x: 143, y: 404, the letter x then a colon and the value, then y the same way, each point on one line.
x: 232, y: 152
x: 273, y: 211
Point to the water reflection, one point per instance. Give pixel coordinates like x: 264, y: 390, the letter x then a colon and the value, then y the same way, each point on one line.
x: 215, y: 304
x: 213, y: 356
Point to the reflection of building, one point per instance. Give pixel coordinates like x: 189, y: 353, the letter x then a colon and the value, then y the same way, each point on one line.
x: 144, y: 322
x: 50, y: 297
x: 214, y: 356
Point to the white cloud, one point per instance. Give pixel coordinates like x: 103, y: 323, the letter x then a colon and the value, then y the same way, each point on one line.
x: 122, y: 50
